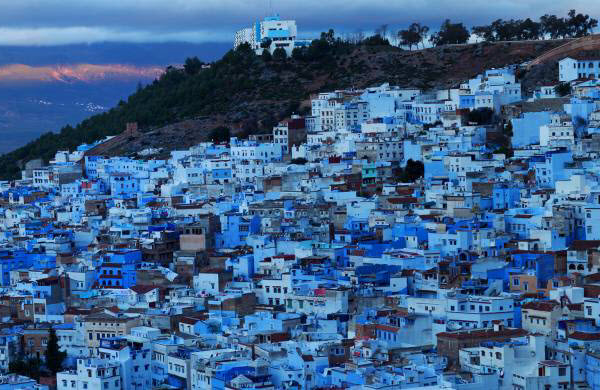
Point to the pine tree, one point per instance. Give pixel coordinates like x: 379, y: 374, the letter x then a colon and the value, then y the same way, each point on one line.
x: 54, y: 356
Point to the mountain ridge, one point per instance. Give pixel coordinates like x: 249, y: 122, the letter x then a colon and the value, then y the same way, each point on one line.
x: 82, y: 72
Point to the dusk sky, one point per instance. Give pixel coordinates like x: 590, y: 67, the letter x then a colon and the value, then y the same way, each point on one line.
x: 50, y: 22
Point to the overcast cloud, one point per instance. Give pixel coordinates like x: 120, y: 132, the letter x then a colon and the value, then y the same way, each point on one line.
x: 48, y: 22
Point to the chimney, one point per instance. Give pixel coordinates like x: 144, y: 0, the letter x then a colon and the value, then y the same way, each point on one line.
x: 131, y: 128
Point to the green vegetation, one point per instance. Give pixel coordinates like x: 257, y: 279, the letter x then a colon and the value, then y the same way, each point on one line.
x: 576, y: 25
x: 415, y: 34
x: 192, y: 66
x: 54, y: 356
x: 413, y: 171
x: 30, y: 367
x: 266, y: 55
x: 279, y: 54
x: 299, y: 161
x: 481, y: 116
x: 562, y: 89
x: 220, y: 134
x: 34, y: 367
x: 450, y: 33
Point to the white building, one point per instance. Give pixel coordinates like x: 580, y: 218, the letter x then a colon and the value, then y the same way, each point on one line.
x: 90, y: 374
x: 570, y: 68
x: 479, y: 312
x: 270, y: 33
x: 518, y: 357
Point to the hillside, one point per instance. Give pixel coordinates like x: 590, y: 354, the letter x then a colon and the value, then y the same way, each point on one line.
x: 249, y: 93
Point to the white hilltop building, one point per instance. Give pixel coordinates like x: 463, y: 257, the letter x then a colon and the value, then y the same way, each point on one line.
x: 271, y: 33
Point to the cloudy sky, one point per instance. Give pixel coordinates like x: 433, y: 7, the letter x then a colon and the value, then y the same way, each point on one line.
x: 50, y: 22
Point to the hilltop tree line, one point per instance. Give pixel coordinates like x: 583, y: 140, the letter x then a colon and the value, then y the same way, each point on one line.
x: 575, y: 25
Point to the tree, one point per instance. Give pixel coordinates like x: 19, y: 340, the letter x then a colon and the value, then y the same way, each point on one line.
x: 546, y: 22
x: 279, y: 54
x: 481, y: 116
x: 450, y: 33
x: 266, y: 55
x: 505, y: 30
x: 220, y: 134
x: 530, y: 29
x: 297, y: 54
x: 266, y: 43
x: 242, y: 48
x: 421, y: 31
x: 414, y: 169
x: 553, y: 26
x: 299, y: 161
x: 485, y: 33
x: 29, y: 367
x: 54, y: 356
x: 192, y: 65
x: 319, y: 49
x: 413, y: 35
x: 412, y: 172
x: 408, y: 38
x: 328, y: 36
x: 580, y: 25
x: 562, y: 89
x: 376, y: 40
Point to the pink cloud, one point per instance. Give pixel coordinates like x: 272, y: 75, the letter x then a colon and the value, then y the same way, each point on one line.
x: 77, y: 72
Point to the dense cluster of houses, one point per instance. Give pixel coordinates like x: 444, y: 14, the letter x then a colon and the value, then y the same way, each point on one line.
x: 302, y: 258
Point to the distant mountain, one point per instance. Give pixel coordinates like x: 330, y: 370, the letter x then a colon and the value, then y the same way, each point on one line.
x: 43, y: 88
x: 21, y: 73
x: 30, y: 109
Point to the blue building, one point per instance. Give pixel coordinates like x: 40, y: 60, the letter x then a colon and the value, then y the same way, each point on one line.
x: 526, y: 129
x: 118, y: 269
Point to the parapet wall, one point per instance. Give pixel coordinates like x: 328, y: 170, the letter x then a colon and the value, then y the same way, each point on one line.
x: 591, y: 42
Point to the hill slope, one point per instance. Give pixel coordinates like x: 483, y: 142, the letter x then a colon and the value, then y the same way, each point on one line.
x: 249, y: 93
